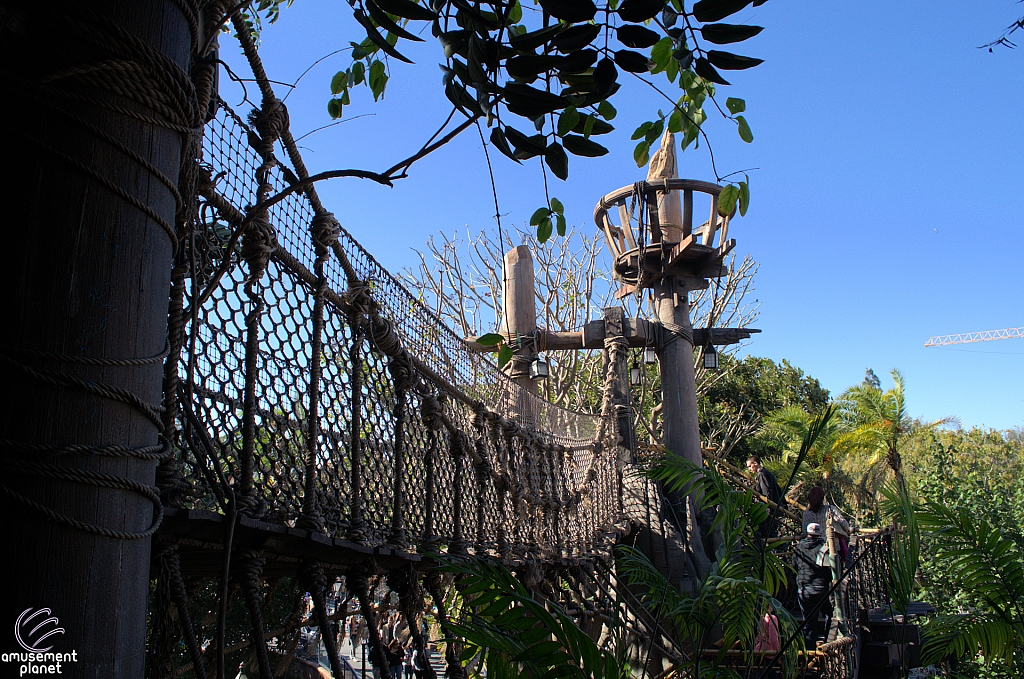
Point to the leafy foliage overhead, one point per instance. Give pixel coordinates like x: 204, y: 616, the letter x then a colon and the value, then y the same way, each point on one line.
x: 541, y: 73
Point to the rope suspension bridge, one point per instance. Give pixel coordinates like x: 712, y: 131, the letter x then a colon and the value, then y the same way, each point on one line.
x: 321, y: 434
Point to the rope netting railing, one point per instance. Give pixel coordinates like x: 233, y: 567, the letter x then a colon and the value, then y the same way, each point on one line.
x: 330, y: 398
x: 863, y: 587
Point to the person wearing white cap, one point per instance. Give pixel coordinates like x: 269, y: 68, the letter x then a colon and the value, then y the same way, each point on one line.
x: 813, y: 582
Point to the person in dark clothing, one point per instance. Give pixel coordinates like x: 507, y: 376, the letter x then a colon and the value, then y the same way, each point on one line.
x: 813, y: 582
x: 765, y: 484
x: 396, y: 658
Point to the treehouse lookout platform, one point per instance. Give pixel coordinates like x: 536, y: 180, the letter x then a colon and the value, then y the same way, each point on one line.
x: 292, y: 439
x: 644, y: 249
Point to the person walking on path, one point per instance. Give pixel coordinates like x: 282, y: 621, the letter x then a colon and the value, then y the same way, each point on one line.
x: 396, y: 658
x: 813, y: 581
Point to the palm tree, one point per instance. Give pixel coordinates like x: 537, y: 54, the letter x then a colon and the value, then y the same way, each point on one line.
x: 879, y: 424
x: 788, y: 427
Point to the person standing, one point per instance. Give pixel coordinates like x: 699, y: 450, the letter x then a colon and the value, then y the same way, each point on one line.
x: 825, y: 514
x: 813, y: 582
x: 766, y: 485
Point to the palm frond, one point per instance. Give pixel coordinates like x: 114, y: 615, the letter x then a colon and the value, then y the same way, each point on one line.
x: 967, y: 635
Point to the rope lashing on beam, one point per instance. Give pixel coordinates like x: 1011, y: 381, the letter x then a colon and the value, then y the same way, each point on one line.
x: 667, y: 332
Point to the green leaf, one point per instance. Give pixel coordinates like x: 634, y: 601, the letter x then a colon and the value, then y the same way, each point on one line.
x: 505, y: 354
x: 544, y: 230
x: 675, y: 122
x: 500, y: 143
x: 560, y: 224
x: 516, y: 13
x: 744, y: 129
x: 576, y: 62
x: 567, y: 120
x: 704, y: 69
x: 339, y: 82
x: 385, y: 22
x: 358, y: 73
x: 672, y: 69
x: 539, y: 215
x: 572, y: 11
x: 374, y: 35
x: 727, y: 200
x: 588, y: 126
x: 639, y: 11
x: 641, y: 131
x: 655, y: 131
x: 723, y: 34
x: 605, y: 76
x: 630, y: 61
x: 378, y: 79
x: 334, y: 108
x: 637, y: 37
x: 527, y: 42
x: 360, y: 52
x: 744, y: 196
x: 407, y: 10
x: 735, y: 105
x: 640, y: 153
x: 556, y: 206
x: 732, y: 62
x: 489, y: 340
x: 606, y: 110
x: 707, y: 11
x: 581, y: 146
x: 660, y: 53
x: 530, y: 102
x: 556, y: 160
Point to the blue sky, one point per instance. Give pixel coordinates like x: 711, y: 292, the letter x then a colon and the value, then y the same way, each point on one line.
x: 886, y: 207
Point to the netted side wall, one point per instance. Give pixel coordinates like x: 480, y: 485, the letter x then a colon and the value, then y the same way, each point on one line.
x: 331, y: 399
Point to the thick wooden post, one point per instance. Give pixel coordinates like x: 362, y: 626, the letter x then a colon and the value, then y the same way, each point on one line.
x: 615, y: 360
x: 520, y: 312
x: 88, y: 223
x: 678, y: 383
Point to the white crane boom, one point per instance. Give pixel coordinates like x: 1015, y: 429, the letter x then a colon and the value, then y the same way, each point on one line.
x: 968, y: 337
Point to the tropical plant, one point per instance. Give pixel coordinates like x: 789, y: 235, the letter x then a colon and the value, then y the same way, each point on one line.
x: 990, y: 565
x: 731, y: 600
x: 787, y: 427
x: 508, y: 632
x: 747, y: 574
x: 879, y: 424
x: 748, y: 390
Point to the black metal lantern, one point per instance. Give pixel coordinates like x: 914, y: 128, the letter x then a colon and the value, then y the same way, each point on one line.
x: 650, y: 355
x: 539, y: 369
x: 710, y: 357
x: 635, y: 375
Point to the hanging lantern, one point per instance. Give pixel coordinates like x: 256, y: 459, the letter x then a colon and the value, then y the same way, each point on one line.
x: 710, y: 357
x: 539, y: 369
x: 650, y: 355
x: 635, y: 375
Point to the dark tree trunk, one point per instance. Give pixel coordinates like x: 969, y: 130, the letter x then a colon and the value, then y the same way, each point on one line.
x: 85, y: 276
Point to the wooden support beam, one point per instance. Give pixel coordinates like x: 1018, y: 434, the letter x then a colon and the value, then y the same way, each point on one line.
x: 638, y: 332
x: 520, y: 312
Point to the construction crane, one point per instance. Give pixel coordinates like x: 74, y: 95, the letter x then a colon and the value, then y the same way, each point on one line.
x: 968, y: 337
